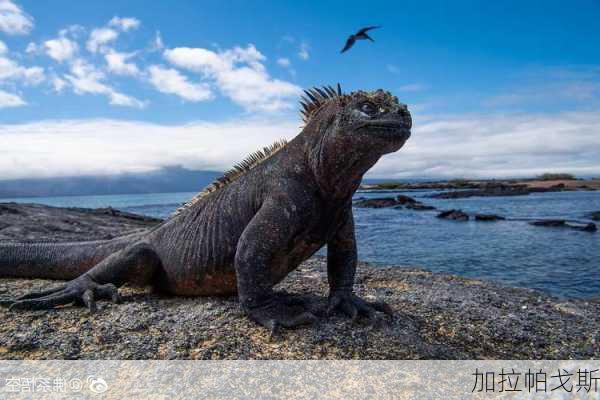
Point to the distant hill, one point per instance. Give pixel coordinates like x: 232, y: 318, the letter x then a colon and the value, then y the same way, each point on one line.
x: 173, y: 179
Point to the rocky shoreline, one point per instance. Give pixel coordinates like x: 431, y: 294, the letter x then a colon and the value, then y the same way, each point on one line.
x: 438, y: 316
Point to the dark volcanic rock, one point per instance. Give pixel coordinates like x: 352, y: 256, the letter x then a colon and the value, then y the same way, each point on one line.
x: 400, y: 201
x: 591, y: 227
x: 455, y: 215
x: 595, y: 216
x: 44, y: 223
x: 438, y: 316
x: 552, y: 223
x: 419, y: 207
x: 487, y: 192
x: 559, y: 223
x: 377, y: 203
x: 405, y: 200
x: 488, y: 217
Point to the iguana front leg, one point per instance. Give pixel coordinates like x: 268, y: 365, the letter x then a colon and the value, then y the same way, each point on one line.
x: 341, y: 268
x: 266, y: 236
x: 134, y: 264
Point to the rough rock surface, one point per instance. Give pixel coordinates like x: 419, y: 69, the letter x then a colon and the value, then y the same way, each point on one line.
x: 38, y: 222
x: 438, y: 317
x: 455, y: 215
x: 400, y: 201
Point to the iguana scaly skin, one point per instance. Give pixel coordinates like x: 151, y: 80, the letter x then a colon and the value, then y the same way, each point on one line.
x: 248, y: 230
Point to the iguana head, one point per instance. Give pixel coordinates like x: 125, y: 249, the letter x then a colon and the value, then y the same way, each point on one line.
x: 350, y: 132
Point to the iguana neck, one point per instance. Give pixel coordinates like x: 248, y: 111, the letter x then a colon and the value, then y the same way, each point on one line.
x: 336, y: 170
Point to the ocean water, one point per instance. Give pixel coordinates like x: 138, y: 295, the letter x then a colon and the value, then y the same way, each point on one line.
x: 562, y: 262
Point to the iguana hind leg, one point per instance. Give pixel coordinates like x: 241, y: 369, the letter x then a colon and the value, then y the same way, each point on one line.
x: 136, y: 264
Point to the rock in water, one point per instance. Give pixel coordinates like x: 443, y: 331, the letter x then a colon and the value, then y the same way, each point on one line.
x: 595, y: 216
x: 377, y: 203
x: 488, y: 217
x: 553, y: 223
x: 455, y: 215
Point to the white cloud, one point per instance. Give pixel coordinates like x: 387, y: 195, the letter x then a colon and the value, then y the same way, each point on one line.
x: 239, y: 74
x: 60, y: 49
x: 303, y: 51
x: 170, y: 81
x: 85, y: 78
x: 157, y: 44
x: 459, y: 146
x: 500, y: 145
x: 65, y: 148
x: 124, y: 24
x: 11, y: 70
x: 284, y: 62
x: 117, y: 63
x: 3, y: 48
x: 58, y: 84
x: 10, y: 100
x: 32, y: 48
x: 99, y: 38
x: 13, y: 20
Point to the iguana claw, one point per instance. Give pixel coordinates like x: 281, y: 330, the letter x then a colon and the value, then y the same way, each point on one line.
x: 353, y: 306
x: 82, y: 290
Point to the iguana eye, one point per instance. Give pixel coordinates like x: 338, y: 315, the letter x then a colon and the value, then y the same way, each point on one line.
x: 368, y: 108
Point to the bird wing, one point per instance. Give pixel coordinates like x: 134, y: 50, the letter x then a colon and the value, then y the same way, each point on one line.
x: 349, y: 43
x: 368, y: 28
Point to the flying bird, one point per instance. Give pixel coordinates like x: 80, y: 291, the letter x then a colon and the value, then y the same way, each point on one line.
x: 360, y: 35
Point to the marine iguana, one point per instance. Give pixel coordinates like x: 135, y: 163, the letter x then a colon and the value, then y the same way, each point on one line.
x: 246, y: 231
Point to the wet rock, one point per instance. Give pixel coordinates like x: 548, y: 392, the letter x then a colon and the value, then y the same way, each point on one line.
x: 455, y: 215
x: 559, y: 223
x: 595, y: 216
x: 552, y: 223
x: 591, y: 227
x: 418, y: 206
x: 405, y: 200
x: 486, y: 192
x: 488, y: 217
x: 377, y: 203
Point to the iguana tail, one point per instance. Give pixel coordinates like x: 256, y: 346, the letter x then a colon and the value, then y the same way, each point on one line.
x: 56, y: 260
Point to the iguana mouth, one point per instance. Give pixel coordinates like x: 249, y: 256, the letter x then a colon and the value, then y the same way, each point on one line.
x: 393, y: 129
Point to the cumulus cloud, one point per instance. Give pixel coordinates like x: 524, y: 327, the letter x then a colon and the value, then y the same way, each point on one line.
x: 124, y: 24
x: 10, y: 100
x: 239, y: 73
x: 13, y: 20
x: 117, y: 63
x: 171, y: 81
x: 67, y: 148
x: 157, y: 43
x: 3, y: 48
x: 10, y: 70
x: 60, y: 49
x: 85, y: 78
x: 99, y: 38
x: 500, y: 145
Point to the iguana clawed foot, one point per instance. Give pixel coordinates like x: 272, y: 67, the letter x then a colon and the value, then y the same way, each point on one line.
x: 82, y: 290
x: 278, y: 314
x: 353, y: 306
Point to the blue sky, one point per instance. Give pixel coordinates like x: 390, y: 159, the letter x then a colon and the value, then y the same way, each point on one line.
x: 497, y: 88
